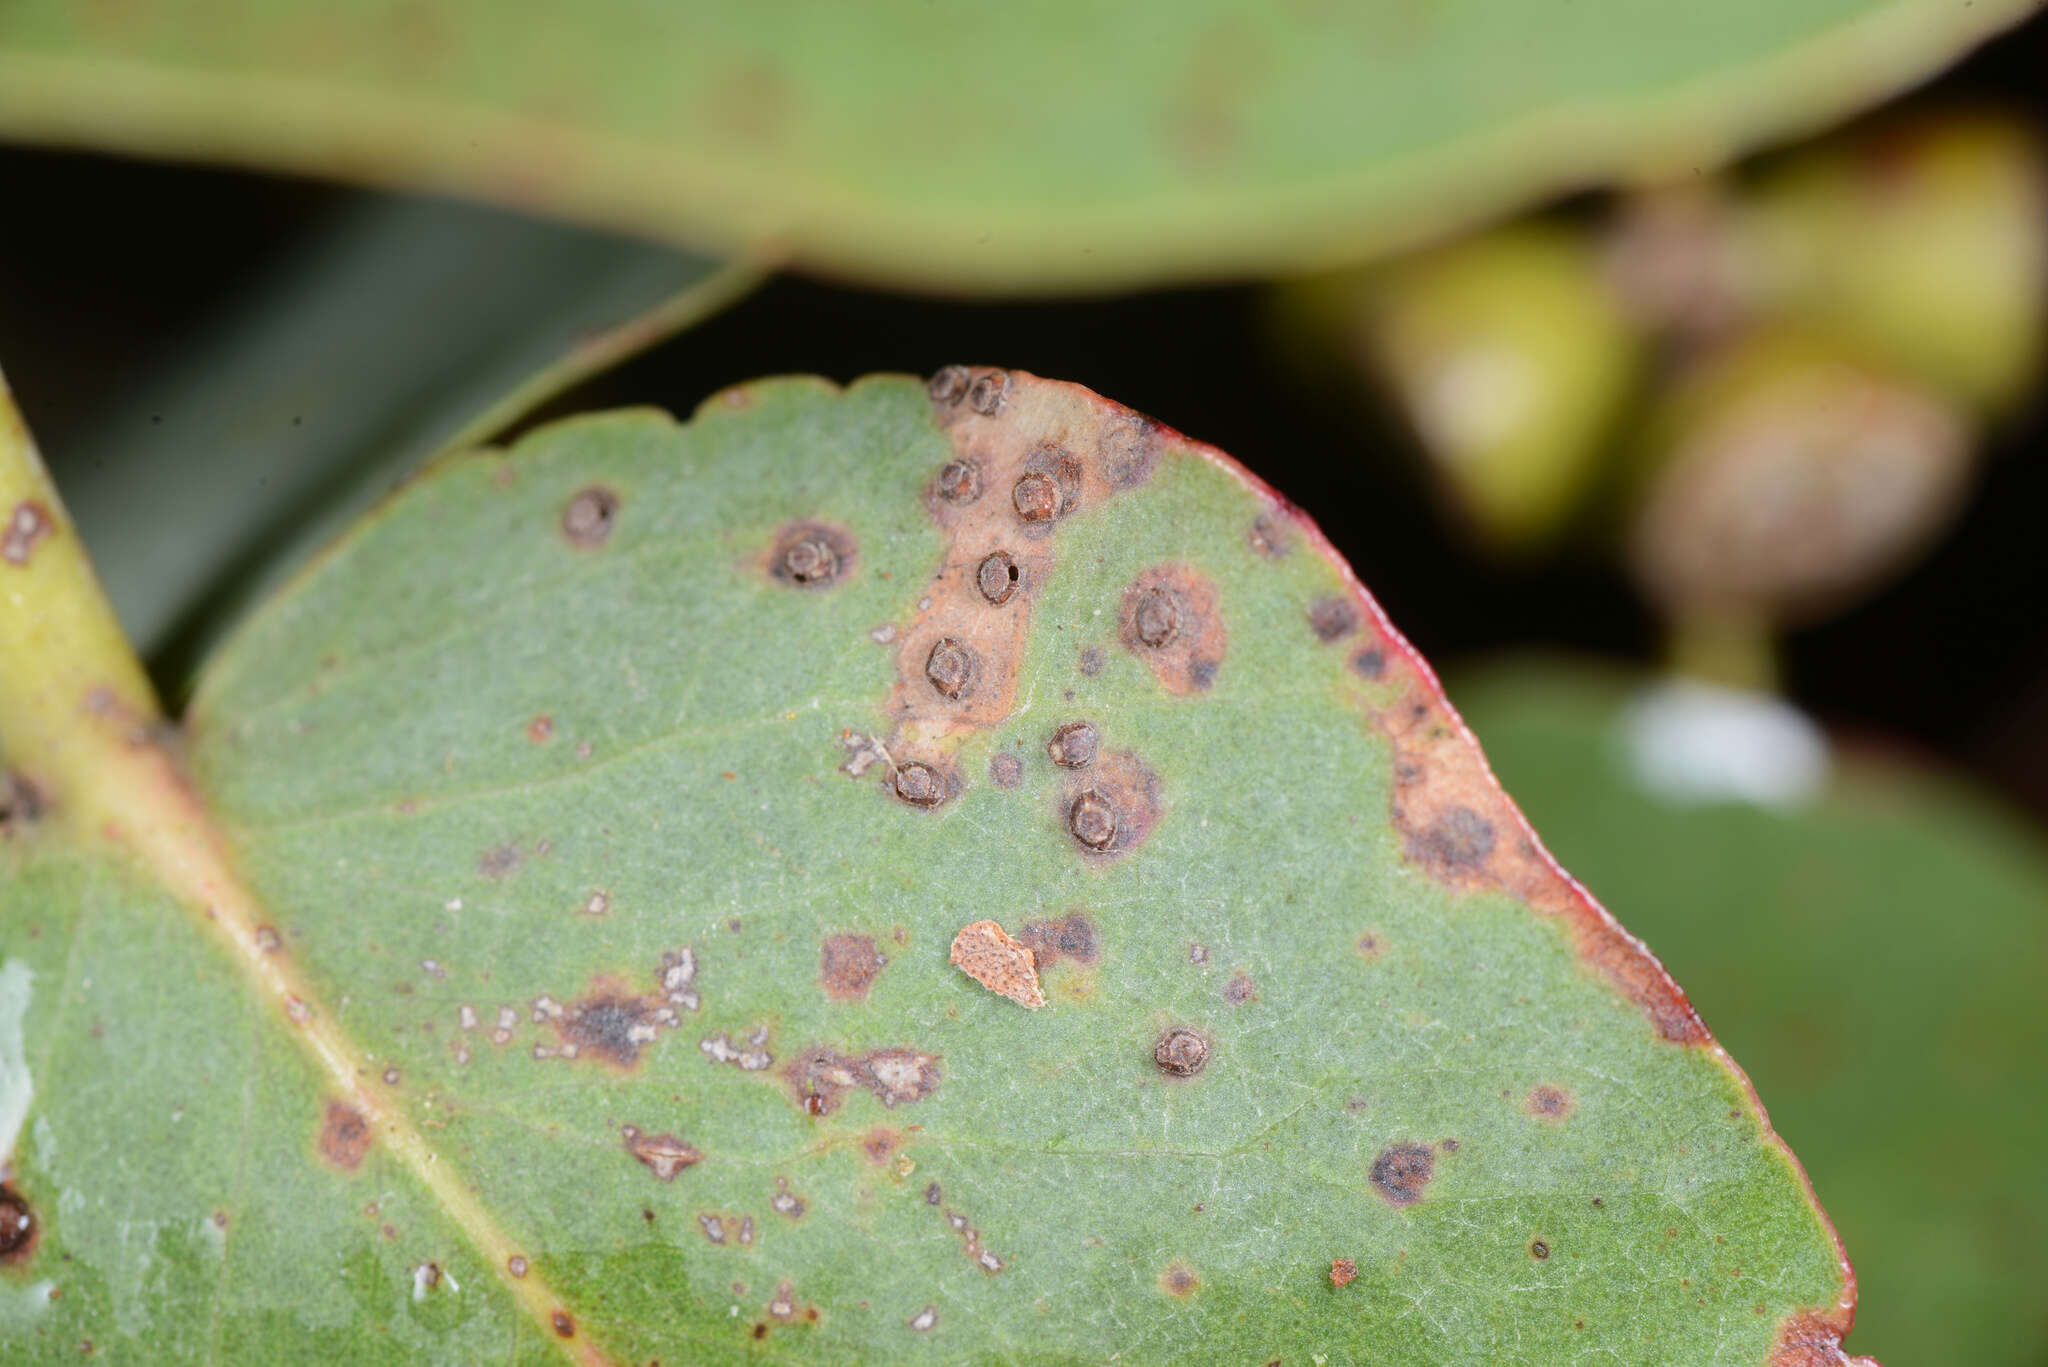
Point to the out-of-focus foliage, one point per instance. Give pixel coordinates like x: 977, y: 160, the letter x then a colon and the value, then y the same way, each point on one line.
x: 1508, y: 357
x: 976, y: 147
x: 1827, y: 337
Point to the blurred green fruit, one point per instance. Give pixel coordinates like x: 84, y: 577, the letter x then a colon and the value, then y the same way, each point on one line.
x: 1507, y: 356
x: 1780, y: 477
x: 1875, y: 959
x: 1923, y: 240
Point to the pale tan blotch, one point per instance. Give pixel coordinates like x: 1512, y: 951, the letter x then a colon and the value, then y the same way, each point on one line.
x: 985, y: 952
x: 1169, y: 619
x: 1461, y: 830
x: 958, y: 657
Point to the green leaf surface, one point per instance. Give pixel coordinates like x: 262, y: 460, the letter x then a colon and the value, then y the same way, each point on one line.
x: 1875, y: 959
x: 609, y: 742
x: 977, y: 147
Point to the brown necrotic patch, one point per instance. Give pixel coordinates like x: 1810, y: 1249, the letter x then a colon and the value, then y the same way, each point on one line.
x: 1240, y: 989
x: 1342, y: 1271
x: 811, y: 555
x: 1005, y: 770
x: 1813, y: 1338
x: 1548, y: 1102
x: 1332, y: 619
x: 985, y: 952
x: 918, y: 784
x: 611, y: 1024
x: 1459, y: 838
x: 1071, y: 938
x: 27, y: 525
x: 664, y: 1154
x: 1027, y: 454
x: 958, y: 481
x: 820, y: 1077
x: 1179, y: 1280
x: 1401, y: 1172
x: 1109, y: 808
x: 848, y: 966
x: 588, y: 519
x: 1073, y: 745
x: 1461, y: 830
x: 500, y: 861
x: 18, y: 1228
x: 344, y: 1136
x: 1180, y: 1051
x: 1169, y: 619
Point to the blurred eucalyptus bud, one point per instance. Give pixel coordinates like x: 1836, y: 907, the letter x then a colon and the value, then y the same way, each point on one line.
x: 1782, y: 477
x: 1507, y: 356
x: 1923, y: 241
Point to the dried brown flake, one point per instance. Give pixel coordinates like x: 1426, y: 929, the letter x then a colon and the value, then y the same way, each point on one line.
x: 664, y: 1154
x: 1342, y: 1271
x: 984, y: 951
x: 848, y: 966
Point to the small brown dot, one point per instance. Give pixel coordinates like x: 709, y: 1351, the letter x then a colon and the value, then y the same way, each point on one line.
x: 920, y: 785
x: 997, y: 577
x: 1073, y: 745
x: 1005, y: 770
x: 1539, y: 1250
x: 987, y: 394
x: 949, y: 385
x: 516, y: 1265
x: 1091, y: 661
x: 811, y: 560
x: 564, y: 1326
x: 950, y: 667
x: 589, y: 518
x: 1157, y: 619
x: 1037, y: 497
x: 1092, y: 820
x: 960, y: 481
x: 1181, y: 1052
x: 1332, y: 618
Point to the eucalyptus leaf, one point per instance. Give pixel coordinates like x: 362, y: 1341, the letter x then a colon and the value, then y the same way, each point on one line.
x: 665, y: 831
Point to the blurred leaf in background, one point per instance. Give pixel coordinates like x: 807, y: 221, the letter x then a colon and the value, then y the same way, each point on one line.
x: 969, y: 147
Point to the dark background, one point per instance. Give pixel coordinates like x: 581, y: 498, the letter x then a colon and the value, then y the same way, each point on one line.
x: 105, y: 265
